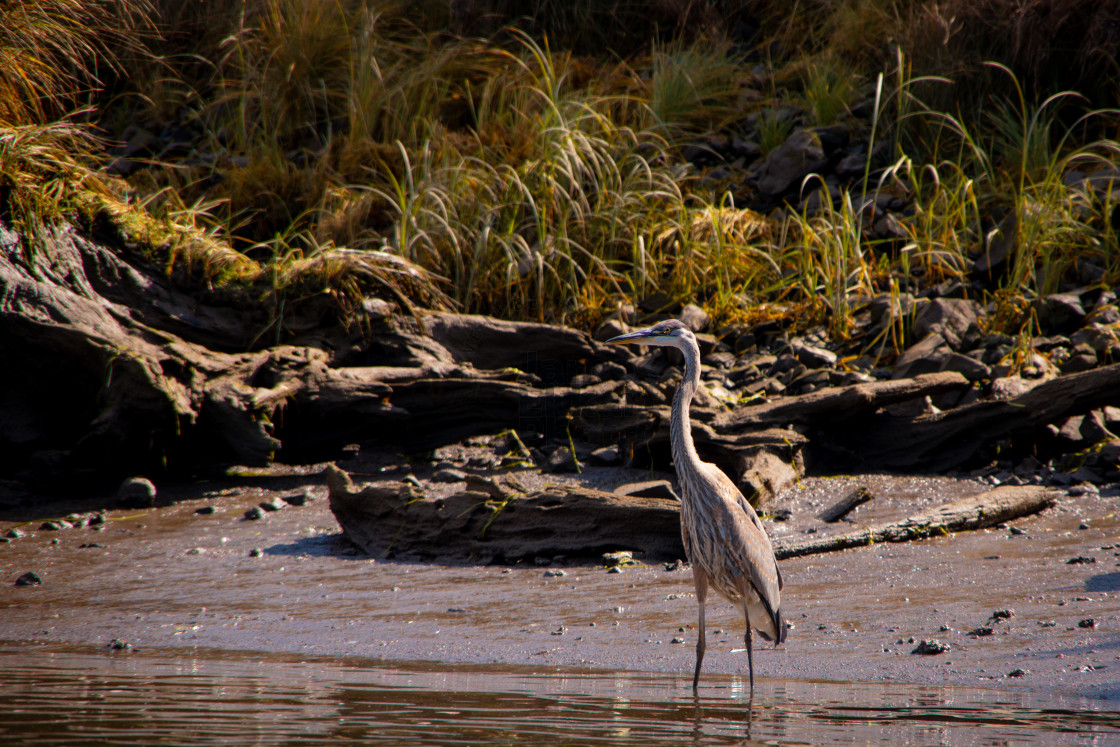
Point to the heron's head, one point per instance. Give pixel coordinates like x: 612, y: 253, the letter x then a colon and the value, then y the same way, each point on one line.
x: 670, y: 333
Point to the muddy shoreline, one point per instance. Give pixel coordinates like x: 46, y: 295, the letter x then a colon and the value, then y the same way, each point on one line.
x: 290, y: 583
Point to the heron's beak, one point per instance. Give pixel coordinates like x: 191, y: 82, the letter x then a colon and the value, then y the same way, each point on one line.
x: 642, y: 335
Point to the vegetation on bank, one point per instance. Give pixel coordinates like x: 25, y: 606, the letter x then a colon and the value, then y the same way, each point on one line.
x: 558, y: 165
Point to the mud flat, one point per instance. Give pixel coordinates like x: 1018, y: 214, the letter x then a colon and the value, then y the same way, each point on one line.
x: 1033, y: 603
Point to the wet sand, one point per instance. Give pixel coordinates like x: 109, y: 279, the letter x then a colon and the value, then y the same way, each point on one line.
x: 169, y: 577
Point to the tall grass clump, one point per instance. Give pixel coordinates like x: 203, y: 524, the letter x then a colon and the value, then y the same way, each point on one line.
x: 55, y: 53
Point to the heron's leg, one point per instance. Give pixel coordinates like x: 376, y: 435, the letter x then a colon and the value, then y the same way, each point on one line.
x: 747, y: 638
x: 701, y: 580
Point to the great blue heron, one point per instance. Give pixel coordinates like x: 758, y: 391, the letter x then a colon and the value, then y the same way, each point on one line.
x: 723, y: 536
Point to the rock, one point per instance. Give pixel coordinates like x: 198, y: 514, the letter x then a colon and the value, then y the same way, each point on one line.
x: 256, y: 552
x: 813, y: 357
x: 926, y: 356
x: 649, y: 489
x: 694, y: 317
x: 1018, y: 673
x: 31, y: 578
x: 1088, y: 622
x: 617, y: 559
x: 607, y: 456
x: 783, y: 168
x: 55, y: 525
x: 1059, y: 313
x: 301, y: 498
x: 449, y: 475
x: 561, y: 460
x: 205, y: 510
x: 930, y: 648
x: 980, y: 632
x: 1081, y: 560
x: 948, y: 317
x: 118, y: 645
x: 276, y: 504
x: 254, y: 513
x: 137, y: 492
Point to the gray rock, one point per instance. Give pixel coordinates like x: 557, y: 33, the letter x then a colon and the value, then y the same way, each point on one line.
x: 694, y: 317
x: 648, y: 489
x: 813, y: 357
x: 972, y: 369
x: 275, y: 504
x: 302, y: 498
x: 1059, y: 313
x: 137, y: 492
x: 31, y: 578
x: 930, y: 648
x: 927, y: 356
x: 948, y: 317
x: 607, y: 456
x: 561, y: 460
x: 784, y: 167
x: 449, y: 475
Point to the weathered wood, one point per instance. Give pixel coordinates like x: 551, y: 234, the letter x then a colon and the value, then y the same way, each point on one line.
x: 947, y: 439
x: 839, y: 403
x: 482, y: 524
x: 840, y: 509
x: 976, y: 512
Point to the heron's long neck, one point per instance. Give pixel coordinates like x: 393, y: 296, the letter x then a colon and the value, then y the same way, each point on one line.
x: 680, y: 427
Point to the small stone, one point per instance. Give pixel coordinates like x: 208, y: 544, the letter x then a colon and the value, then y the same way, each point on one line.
x: 204, y: 510
x: 254, y: 513
x: 614, y: 569
x: 1081, y: 560
x: 302, y: 498
x: 1016, y: 531
x: 256, y: 552
x: 1088, y: 622
x: 449, y: 475
x: 457, y: 610
x: 551, y: 573
x: 560, y: 631
x: 1003, y: 614
x: 118, y: 645
x: 1018, y: 673
x: 674, y: 565
x: 31, y: 578
x: 616, y: 559
x: 196, y: 551
x: 13, y: 534
x: 275, y: 504
x: 54, y: 526
x: 930, y: 648
x: 677, y: 639
x: 137, y: 492
x: 607, y: 456
x: 1082, y: 525
x: 980, y: 632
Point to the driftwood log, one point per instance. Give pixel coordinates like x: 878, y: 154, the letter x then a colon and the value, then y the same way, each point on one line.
x: 977, y: 512
x: 842, y: 507
x: 490, y: 521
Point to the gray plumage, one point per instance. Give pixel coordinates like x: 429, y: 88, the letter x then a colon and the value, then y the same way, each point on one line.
x: 723, y: 537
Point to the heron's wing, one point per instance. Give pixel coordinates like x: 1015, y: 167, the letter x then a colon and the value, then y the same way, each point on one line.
x: 747, y: 541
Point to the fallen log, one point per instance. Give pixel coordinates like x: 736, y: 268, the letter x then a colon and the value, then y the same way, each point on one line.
x: 492, y: 522
x: 947, y: 439
x: 840, y: 509
x: 987, y: 509
x: 840, y: 403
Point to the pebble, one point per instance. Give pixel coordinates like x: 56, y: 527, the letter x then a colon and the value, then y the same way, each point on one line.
x: 13, y: 534
x: 677, y: 639
x: 1081, y: 560
x: 980, y: 632
x: 54, y: 526
x: 274, y: 505
x: 1003, y: 614
x: 31, y: 578
x: 930, y: 647
x: 118, y: 645
x: 137, y: 492
x: 1088, y: 622
x: 205, y: 510
x: 302, y: 498
x: 551, y: 573
x: 1018, y: 673
x: 449, y: 475
x: 254, y: 513
x: 196, y: 551
x: 256, y: 552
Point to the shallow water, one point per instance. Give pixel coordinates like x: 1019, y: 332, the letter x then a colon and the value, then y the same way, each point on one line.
x: 59, y: 695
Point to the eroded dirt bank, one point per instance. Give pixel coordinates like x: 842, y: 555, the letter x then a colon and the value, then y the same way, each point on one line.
x: 289, y: 582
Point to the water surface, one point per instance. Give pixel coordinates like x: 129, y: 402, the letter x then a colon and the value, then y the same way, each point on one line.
x: 64, y: 695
